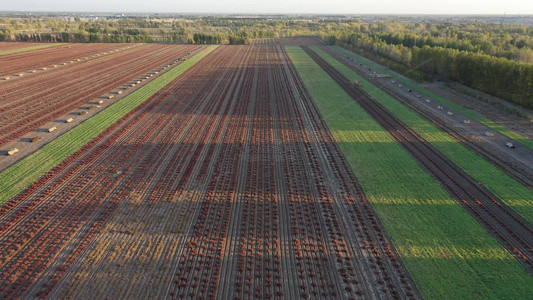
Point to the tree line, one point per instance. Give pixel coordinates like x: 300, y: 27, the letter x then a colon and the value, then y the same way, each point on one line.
x: 501, y: 77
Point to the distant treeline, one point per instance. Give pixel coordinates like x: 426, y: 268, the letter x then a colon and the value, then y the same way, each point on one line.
x: 129, y: 36
x: 493, y: 58
x: 501, y: 77
x: 194, y: 31
x: 66, y: 37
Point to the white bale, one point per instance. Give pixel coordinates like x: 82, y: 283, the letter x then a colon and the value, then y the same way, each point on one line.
x: 12, y: 151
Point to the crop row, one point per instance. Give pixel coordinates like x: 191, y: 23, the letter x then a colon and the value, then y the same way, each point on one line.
x: 159, y: 145
x: 267, y: 206
x: 276, y: 217
x: 164, y: 142
x: 237, y: 155
x: 30, y: 244
x: 301, y: 41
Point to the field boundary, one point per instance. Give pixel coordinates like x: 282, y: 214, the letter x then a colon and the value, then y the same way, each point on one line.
x: 509, y: 133
x: 19, y: 176
x: 31, y: 48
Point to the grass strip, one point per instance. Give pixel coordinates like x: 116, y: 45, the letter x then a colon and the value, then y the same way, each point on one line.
x: 19, y: 176
x: 510, y: 191
x: 31, y: 48
x: 446, y: 251
x: 499, y: 128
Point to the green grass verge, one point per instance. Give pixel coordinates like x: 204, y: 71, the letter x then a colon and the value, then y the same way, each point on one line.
x: 31, y: 48
x: 510, y: 191
x: 509, y: 133
x: 19, y: 176
x: 448, y: 254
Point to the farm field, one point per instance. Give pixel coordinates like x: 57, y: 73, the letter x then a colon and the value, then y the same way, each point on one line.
x: 509, y: 191
x: 27, y: 102
x: 25, y: 61
x: 300, y: 41
x: 9, y: 48
x: 4, y: 46
x: 238, y: 172
x: 446, y: 251
x: 225, y: 184
x: 18, y: 177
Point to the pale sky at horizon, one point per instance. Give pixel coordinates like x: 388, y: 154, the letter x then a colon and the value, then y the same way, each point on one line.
x: 524, y: 7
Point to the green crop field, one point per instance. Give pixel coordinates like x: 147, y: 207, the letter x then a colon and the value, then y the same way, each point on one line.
x: 511, y: 192
x: 21, y: 175
x: 448, y: 254
x: 523, y: 140
x: 31, y: 48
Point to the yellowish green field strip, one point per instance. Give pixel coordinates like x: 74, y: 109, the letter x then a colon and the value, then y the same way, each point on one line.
x: 31, y: 48
x: 19, y: 176
x: 448, y: 254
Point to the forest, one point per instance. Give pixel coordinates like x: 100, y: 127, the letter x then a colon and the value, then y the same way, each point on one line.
x: 495, y: 58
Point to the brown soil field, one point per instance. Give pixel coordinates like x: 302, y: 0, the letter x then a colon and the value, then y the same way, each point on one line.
x: 225, y: 184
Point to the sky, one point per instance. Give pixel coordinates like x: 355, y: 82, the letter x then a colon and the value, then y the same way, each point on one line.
x: 497, y: 7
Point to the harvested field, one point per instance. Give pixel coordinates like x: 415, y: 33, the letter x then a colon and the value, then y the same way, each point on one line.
x: 30, y: 101
x: 226, y: 184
